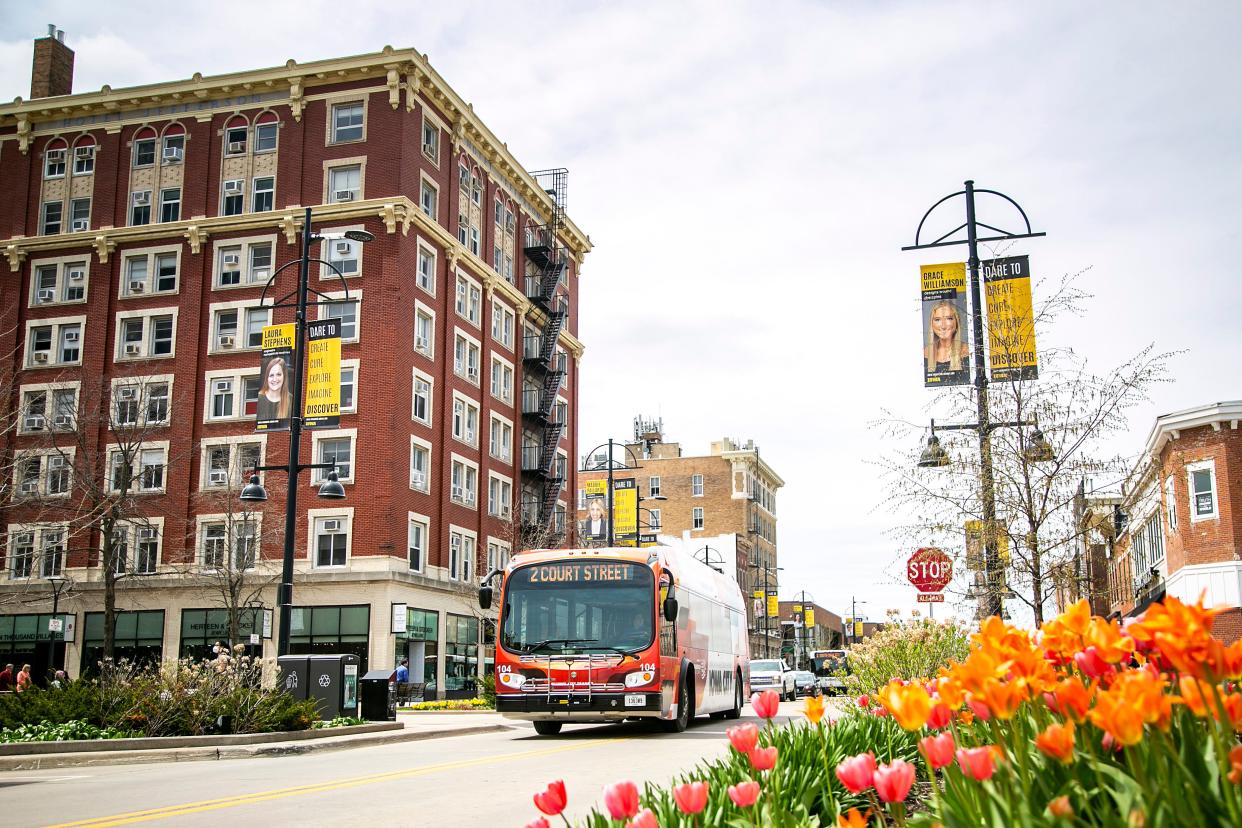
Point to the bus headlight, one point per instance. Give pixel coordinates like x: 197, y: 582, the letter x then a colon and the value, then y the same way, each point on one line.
x: 639, y: 678
x: 513, y: 681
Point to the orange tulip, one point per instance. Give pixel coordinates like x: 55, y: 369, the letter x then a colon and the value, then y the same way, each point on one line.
x: 1003, y: 698
x: 909, y: 703
x: 1117, y: 718
x: 1073, y: 698
x: 1057, y: 741
x: 1197, y: 696
x: 1235, y: 762
x: 814, y: 708
x: 1060, y: 808
x: 853, y: 819
x: 1109, y: 642
x: 1182, y: 633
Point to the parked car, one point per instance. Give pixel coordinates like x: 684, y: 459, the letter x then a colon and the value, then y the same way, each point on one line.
x: 805, y: 684
x: 772, y: 674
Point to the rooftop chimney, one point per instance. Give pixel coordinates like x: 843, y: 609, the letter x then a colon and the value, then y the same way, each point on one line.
x: 52, y: 72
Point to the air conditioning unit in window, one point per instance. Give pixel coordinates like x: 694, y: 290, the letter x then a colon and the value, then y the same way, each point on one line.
x: 137, y: 287
x: 217, y: 477
x: 233, y: 187
x: 173, y: 154
x: 421, y: 343
x: 418, y: 479
x: 84, y: 152
x: 331, y: 526
x: 56, y: 156
x: 29, y: 486
x: 71, y: 336
x: 148, y: 533
x: 226, y: 341
x: 232, y: 259
x: 459, y: 493
x: 223, y: 386
x: 40, y: 356
x: 343, y: 195
x: 142, y: 199
x: 77, y: 274
x: 133, y: 349
x: 260, y: 274
x: 344, y: 248
x: 80, y: 224
x: 47, y: 295
x: 472, y: 374
x: 236, y: 147
x: 34, y: 422
x: 62, y: 421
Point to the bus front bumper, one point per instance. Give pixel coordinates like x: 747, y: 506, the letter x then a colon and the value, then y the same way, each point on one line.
x: 590, y: 707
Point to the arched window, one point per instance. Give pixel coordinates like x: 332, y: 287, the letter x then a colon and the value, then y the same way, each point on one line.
x: 54, y: 158
x: 84, y: 155
x: 236, y: 133
x: 144, y: 147
x: 266, y: 131
x: 172, y: 147
x: 504, y: 221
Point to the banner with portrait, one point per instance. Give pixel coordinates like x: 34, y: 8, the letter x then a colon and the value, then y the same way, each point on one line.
x: 322, y: 408
x: 277, y: 379
x: 1011, y: 320
x: 946, y: 329
x: 595, y: 527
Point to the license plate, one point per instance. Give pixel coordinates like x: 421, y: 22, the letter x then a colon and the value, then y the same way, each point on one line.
x: 635, y: 700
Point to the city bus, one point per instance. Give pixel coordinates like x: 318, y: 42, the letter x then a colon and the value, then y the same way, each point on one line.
x: 830, y: 668
x: 604, y: 635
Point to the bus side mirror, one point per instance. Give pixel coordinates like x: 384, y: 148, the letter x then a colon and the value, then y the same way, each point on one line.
x: 670, y: 609
x: 485, y: 597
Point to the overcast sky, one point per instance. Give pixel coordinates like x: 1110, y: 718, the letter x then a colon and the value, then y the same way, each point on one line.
x: 749, y: 171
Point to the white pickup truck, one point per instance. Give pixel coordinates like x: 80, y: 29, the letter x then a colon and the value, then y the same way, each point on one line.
x: 772, y: 674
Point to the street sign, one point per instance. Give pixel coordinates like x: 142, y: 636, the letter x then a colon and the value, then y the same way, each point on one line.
x: 55, y: 625
x: 929, y: 569
x: 931, y: 598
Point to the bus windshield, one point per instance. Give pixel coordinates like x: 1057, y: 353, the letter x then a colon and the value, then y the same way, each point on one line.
x: 585, y: 606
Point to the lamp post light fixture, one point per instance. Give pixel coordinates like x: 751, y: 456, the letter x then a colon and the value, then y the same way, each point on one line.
x: 767, y: 569
x: 854, y: 602
x: 58, y: 583
x: 711, y: 557
x: 331, y: 488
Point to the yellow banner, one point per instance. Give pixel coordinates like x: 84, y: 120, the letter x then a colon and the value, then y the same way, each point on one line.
x: 809, y: 620
x: 758, y: 594
x: 279, y: 336
x: 1011, y: 320
x: 774, y: 606
x: 946, y: 325
x: 597, y: 487
x: 858, y: 629
x: 322, y: 408
x: 624, y: 509
x: 975, y: 544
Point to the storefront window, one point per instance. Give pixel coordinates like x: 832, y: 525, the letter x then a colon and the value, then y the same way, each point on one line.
x: 461, y: 666
x: 139, y: 639
x: 24, y: 638
x: 331, y: 630
x: 202, y: 628
x: 420, y: 645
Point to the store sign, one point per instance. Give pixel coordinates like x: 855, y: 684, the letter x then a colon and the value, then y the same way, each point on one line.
x: 1011, y: 319
x: 399, y: 612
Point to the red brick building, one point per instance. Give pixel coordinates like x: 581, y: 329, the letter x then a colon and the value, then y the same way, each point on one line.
x: 140, y: 227
x: 1179, y: 532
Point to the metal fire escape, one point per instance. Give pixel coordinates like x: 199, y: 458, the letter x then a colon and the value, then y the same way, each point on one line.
x: 544, y: 371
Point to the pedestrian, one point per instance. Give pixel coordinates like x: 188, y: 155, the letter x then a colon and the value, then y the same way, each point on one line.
x: 23, y: 679
x: 6, y: 678
x: 403, y: 671
x: 60, y: 679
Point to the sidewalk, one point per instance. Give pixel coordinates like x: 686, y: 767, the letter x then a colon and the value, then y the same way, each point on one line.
x: 409, y: 727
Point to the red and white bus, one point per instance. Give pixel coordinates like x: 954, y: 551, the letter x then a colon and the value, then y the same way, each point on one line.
x: 602, y: 635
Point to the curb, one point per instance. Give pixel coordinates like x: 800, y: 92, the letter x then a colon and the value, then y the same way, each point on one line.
x: 203, y: 754
x: 21, y: 749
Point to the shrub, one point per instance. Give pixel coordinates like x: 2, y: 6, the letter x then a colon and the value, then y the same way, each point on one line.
x: 340, y: 721
x: 906, y: 651
x: 61, y: 732
x: 488, y: 693
x: 75, y: 701
x: 451, y: 704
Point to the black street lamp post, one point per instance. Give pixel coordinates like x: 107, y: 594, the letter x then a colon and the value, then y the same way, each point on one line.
x: 58, y: 584
x: 611, y: 466
x: 331, y: 488
x: 767, y: 569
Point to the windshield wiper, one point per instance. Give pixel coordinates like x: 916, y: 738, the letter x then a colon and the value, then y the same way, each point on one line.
x: 567, y: 642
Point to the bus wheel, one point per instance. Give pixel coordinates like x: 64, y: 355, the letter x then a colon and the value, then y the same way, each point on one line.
x: 545, y: 728
x: 684, y: 711
x: 736, y: 712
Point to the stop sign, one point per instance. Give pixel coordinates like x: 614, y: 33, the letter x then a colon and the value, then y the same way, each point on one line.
x: 929, y: 569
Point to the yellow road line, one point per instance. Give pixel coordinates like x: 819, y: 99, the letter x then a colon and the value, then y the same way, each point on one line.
x: 187, y: 808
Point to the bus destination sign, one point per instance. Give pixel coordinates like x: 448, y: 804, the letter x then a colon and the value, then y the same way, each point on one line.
x: 582, y: 573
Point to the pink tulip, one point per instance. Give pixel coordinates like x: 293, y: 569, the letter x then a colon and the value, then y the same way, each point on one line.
x: 938, y: 749
x: 976, y: 763
x: 1091, y: 664
x: 621, y: 799
x: 743, y: 737
x: 552, y: 801
x: 766, y: 704
x: 940, y: 716
x: 893, y: 781
x: 538, y: 822
x: 645, y: 819
x: 864, y: 701
x: 691, y: 797
x: 879, y: 712
x: 858, y: 772
x: 763, y: 759
x: 981, y: 710
x: 744, y: 794
x: 1110, y: 744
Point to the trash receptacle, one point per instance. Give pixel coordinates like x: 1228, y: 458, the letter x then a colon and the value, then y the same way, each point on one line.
x: 332, y: 681
x: 378, y: 692
x: 293, y: 675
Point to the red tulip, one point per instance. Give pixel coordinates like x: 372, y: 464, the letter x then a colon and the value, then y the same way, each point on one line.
x: 893, y: 781
x: 1091, y: 664
x: 552, y: 801
x: 879, y: 712
x: 940, y: 716
x: 743, y: 737
x: 976, y: 763
x: 744, y: 794
x: 981, y: 710
x: 538, y: 822
x: 1110, y: 744
x: 621, y: 799
x: 762, y: 759
x: 691, y: 797
x: 938, y: 749
x: 858, y: 772
x: 645, y: 819
x: 864, y: 701
x: 766, y: 704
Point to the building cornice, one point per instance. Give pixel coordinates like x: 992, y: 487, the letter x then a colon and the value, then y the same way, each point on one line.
x: 399, y: 70
x: 1169, y: 426
x: 753, y: 456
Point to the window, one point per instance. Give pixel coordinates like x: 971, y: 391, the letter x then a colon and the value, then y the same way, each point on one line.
x: 464, y: 482
x: 466, y: 357
x: 54, y: 342
x: 344, y: 183
x: 344, y: 255
x: 469, y: 219
x: 140, y: 207
x: 696, y: 485
x: 465, y: 420
x: 334, y: 446
x: 416, y: 542
x: 431, y: 141
x: 420, y: 465
x: 422, y: 393
x: 1170, y: 504
x: 502, y: 380
x: 233, y: 197
x: 236, y: 327
x: 504, y: 228
x: 498, y: 554
x: 429, y: 199
x: 144, y: 152
x: 264, y: 195
x: 500, y: 445
x: 228, y: 461
x: 54, y: 163
x: 696, y: 517
x: 141, y: 401
x: 84, y: 159
x: 1147, y: 549
x: 461, y: 553
x: 79, y: 214
x: 170, y: 204
x: 149, y: 334
x: 232, y: 395
x: 1202, y: 488
x: 48, y: 408
x: 227, y: 544
x: 469, y: 297
x: 424, y: 330
x: 244, y: 262
x: 349, y: 386
x: 331, y: 540
x: 653, y: 486
x: 235, y: 140
x: 45, y: 541
x: 426, y: 278
x: 57, y: 282
x: 499, y: 496
x: 43, y: 474
x: 174, y: 149
x: 502, y: 325
x: 347, y: 312
x: 654, y: 519
x: 347, y: 122
x: 265, y: 137
x: 137, y: 468
x: 150, y: 271
x: 53, y: 217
